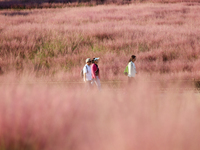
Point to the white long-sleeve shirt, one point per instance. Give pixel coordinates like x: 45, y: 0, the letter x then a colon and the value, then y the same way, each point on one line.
x: 131, y: 69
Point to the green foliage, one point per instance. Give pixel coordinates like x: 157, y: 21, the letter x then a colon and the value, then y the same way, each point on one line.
x: 75, y: 41
x: 69, y: 64
x: 168, y: 56
x: 18, y: 145
x: 96, y: 49
x: 48, y: 49
x: 143, y: 47
x: 197, y: 84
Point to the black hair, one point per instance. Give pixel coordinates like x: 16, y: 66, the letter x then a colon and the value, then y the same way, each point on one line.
x: 93, y: 60
x: 132, y: 57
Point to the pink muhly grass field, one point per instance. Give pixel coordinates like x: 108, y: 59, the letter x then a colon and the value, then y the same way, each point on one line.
x: 164, y: 37
x: 43, y: 117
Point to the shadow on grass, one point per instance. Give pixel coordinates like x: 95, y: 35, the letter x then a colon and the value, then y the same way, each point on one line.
x: 28, y: 4
x: 15, y: 13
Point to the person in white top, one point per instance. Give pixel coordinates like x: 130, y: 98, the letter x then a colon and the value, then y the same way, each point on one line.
x: 131, y: 68
x: 87, y: 73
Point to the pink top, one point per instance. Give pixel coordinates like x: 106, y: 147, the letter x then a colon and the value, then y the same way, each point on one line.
x: 94, y: 69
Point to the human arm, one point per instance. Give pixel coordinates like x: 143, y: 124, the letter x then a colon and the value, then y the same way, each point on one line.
x: 84, y: 73
x: 129, y: 68
x: 93, y: 69
x: 134, y: 68
x: 84, y: 76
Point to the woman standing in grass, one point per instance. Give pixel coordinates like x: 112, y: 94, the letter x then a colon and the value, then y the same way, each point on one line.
x: 96, y: 72
x: 131, y: 69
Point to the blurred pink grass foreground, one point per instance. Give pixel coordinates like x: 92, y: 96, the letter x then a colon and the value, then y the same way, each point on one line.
x: 43, y: 117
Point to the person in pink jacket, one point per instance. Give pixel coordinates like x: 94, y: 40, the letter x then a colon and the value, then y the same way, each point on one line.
x: 96, y: 72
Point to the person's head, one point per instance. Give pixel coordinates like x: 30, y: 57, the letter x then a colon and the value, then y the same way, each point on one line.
x: 88, y: 61
x: 96, y: 60
x: 133, y: 58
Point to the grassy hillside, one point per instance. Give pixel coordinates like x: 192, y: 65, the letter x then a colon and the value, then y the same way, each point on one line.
x: 164, y: 37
